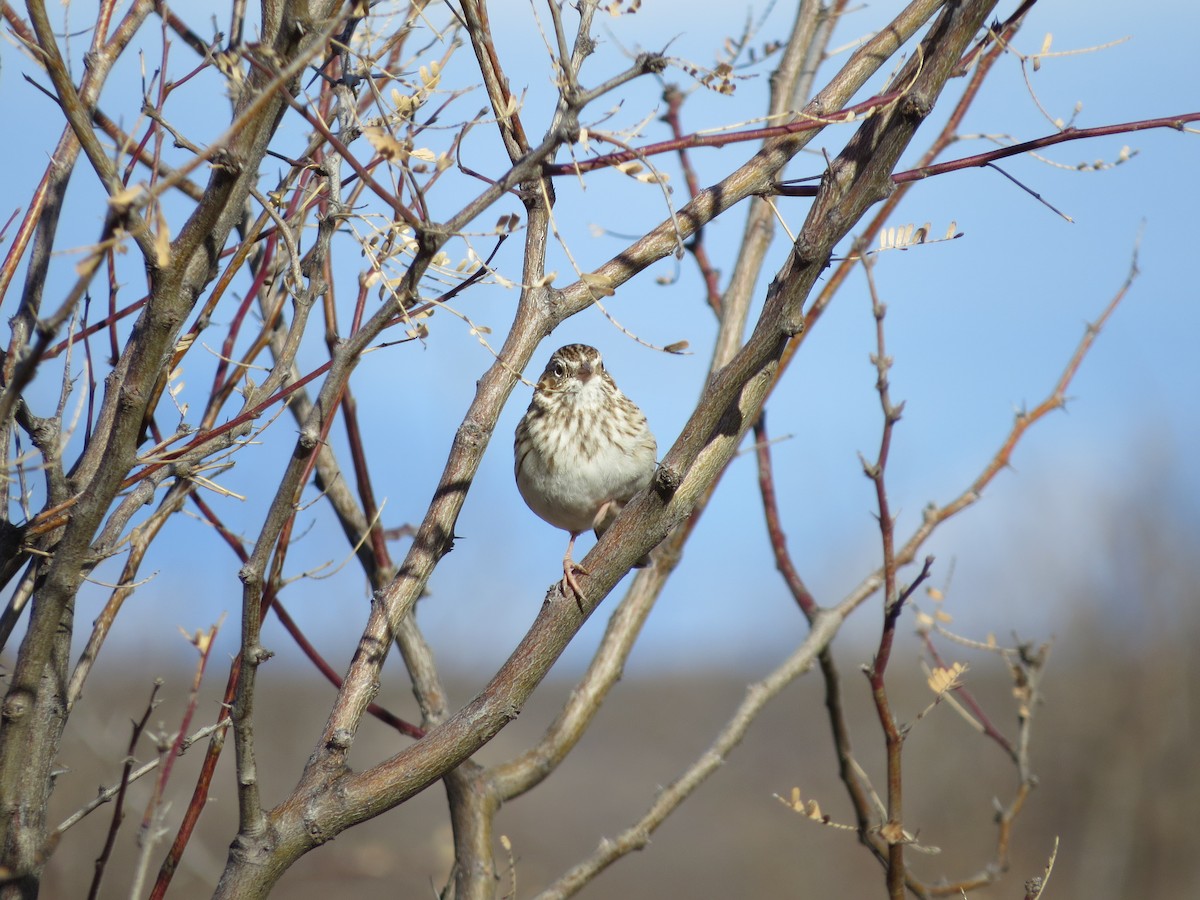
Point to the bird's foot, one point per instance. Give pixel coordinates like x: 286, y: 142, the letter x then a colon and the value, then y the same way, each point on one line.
x: 570, y: 567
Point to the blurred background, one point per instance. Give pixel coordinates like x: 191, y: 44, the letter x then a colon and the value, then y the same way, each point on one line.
x: 1090, y: 540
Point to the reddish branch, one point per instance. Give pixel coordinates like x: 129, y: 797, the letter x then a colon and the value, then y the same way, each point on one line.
x: 202, y: 443
x: 200, y: 792
x: 783, y: 560
x: 982, y: 159
x: 199, y: 801
x: 399, y: 210
x: 851, y: 114
x: 55, y: 516
x: 893, y: 603
x: 963, y: 693
x: 1026, y: 666
x: 847, y: 770
x: 674, y: 98
x: 846, y: 115
x: 1026, y: 418
x: 947, y: 136
x: 203, y: 643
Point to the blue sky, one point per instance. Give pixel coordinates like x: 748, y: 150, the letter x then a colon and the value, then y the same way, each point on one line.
x: 979, y: 327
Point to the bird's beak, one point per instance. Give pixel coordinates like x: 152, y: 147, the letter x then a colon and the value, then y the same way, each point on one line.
x: 586, y: 371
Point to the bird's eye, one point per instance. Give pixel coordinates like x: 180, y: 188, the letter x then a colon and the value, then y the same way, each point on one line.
x: 558, y: 370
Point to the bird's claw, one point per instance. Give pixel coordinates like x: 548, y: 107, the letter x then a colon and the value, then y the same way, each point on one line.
x: 570, y: 567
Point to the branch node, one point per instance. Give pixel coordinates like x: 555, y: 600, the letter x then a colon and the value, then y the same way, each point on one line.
x: 257, y: 655
x: 667, y: 481
x: 341, y: 739
x: 16, y: 705
x: 793, y: 324
x: 309, y: 439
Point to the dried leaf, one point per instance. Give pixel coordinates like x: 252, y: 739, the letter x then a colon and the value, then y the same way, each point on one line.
x: 200, y: 639
x: 122, y: 200
x: 904, y: 236
x: 385, y: 144
x: 946, y: 678
x: 162, y: 243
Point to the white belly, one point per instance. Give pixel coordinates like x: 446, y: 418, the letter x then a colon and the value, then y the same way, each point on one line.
x: 569, y: 494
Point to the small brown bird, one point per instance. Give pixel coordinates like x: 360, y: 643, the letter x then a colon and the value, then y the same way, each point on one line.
x: 583, y: 449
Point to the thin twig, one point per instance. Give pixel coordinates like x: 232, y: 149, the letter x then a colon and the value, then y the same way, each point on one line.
x: 107, y: 794
x: 119, y: 807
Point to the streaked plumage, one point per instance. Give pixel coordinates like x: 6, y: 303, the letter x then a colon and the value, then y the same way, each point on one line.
x: 583, y: 449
